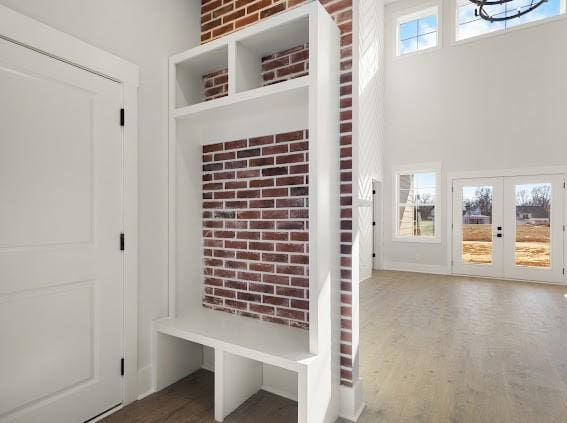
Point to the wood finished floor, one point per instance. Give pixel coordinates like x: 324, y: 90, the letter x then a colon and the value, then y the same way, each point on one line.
x: 434, y: 349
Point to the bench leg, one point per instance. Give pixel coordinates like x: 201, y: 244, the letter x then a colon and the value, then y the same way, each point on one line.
x: 174, y: 358
x: 236, y: 380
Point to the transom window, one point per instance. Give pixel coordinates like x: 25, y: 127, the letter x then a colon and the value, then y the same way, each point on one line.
x: 418, y: 31
x: 469, y: 25
x: 417, y: 208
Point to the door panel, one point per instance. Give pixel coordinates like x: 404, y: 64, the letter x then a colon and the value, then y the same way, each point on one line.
x: 534, y: 230
x: 61, y: 286
x: 477, y: 217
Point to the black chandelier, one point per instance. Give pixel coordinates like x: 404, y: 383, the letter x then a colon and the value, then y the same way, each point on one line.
x: 481, y: 10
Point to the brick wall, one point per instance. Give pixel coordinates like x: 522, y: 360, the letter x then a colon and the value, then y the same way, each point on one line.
x: 255, y: 228
x: 285, y: 65
x: 215, y: 85
x: 221, y: 17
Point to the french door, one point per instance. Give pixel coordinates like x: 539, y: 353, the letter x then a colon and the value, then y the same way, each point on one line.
x: 509, y: 227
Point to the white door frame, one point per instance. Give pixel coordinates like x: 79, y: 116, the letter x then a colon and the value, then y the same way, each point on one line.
x: 33, y: 34
x: 452, y: 176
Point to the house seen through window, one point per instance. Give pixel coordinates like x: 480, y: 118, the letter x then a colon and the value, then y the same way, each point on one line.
x: 417, y: 203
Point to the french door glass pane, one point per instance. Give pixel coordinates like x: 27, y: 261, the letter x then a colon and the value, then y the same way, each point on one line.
x: 533, y: 218
x: 477, y: 225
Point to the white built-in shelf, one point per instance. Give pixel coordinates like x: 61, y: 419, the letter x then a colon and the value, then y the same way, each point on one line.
x: 287, y: 93
x: 250, y: 353
x: 269, y: 343
x: 241, y: 54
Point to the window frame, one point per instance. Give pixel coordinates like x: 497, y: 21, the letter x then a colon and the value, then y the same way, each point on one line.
x: 415, y: 14
x: 455, y: 27
x: 435, y: 168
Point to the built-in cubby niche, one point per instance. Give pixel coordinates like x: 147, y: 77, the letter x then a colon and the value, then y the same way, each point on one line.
x: 197, y: 76
x: 275, y: 56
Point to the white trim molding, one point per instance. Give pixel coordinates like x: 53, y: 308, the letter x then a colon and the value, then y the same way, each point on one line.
x: 435, y: 269
x: 29, y: 33
x: 352, y: 403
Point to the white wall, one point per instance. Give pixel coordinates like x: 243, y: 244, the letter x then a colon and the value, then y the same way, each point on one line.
x: 370, y: 122
x: 498, y: 102
x: 145, y: 32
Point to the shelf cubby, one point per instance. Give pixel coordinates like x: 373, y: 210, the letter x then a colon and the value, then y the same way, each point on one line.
x: 273, y: 48
x: 190, y: 86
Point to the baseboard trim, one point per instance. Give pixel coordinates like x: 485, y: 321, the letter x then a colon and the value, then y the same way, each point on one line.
x: 208, y: 367
x: 351, y: 404
x: 417, y: 268
x: 145, y: 386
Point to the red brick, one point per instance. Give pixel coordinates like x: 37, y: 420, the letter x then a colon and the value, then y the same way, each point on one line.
x: 290, y: 270
x: 290, y: 314
x: 275, y: 258
x: 275, y: 192
x: 275, y: 236
x: 290, y: 136
x: 263, y: 309
x: 261, y: 267
x: 290, y: 248
x: 278, y: 301
x: 290, y: 292
x: 261, y: 287
x: 275, y: 214
x: 247, y: 276
x: 262, y: 246
x: 276, y: 279
x: 290, y: 180
x: 290, y: 158
x: 260, y: 183
x: 227, y: 293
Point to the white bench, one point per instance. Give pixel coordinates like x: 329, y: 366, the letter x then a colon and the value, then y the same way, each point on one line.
x: 241, y: 346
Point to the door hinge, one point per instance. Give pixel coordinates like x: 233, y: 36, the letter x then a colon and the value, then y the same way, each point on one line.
x: 122, y: 367
x: 373, y: 223
x: 373, y: 192
x: 373, y: 255
x: 122, y: 240
x: 122, y: 117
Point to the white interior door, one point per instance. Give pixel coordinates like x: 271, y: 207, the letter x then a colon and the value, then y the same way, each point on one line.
x: 533, y: 238
x: 61, y: 282
x: 477, y: 227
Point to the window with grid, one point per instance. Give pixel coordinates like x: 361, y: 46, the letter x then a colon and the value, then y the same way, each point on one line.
x: 416, y: 205
x: 418, y: 31
x: 470, y: 25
